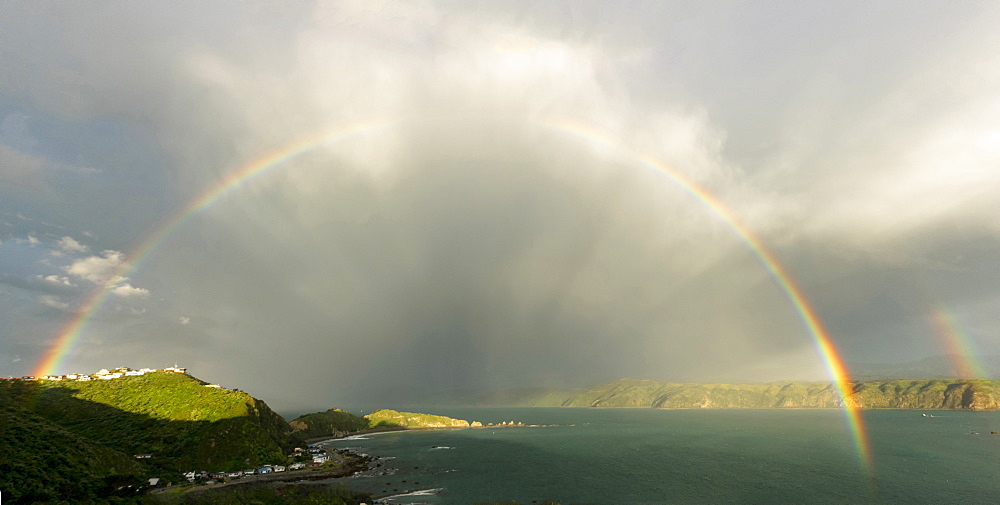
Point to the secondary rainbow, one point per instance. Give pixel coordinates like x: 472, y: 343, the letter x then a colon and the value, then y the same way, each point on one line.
x: 70, y: 332
x: 957, y: 344
x: 831, y: 357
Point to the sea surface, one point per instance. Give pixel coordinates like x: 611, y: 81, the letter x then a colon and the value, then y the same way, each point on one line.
x: 646, y: 456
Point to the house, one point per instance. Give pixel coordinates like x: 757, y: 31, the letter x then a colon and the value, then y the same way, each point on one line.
x: 156, y: 482
x: 234, y: 475
x: 143, y: 456
x: 296, y: 466
x: 72, y: 376
x: 135, y: 372
x: 83, y: 378
x: 279, y: 468
x: 189, y: 476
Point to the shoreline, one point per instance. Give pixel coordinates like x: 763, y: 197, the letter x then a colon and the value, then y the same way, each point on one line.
x: 356, y: 463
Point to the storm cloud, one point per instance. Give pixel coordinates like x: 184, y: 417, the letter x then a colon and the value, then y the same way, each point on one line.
x: 514, y: 213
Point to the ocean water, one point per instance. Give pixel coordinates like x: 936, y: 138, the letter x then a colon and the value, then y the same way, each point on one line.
x: 645, y: 456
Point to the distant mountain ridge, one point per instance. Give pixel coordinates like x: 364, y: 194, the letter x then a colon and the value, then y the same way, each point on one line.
x: 641, y: 393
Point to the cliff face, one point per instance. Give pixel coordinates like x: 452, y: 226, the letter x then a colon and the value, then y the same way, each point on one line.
x: 637, y: 393
x: 929, y: 394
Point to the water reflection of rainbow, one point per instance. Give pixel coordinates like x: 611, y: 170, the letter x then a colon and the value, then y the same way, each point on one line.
x: 836, y: 368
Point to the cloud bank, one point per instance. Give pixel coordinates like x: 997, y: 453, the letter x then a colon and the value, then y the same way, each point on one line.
x: 503, y: 226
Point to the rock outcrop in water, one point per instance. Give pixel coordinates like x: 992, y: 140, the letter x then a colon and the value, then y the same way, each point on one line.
x: 638, y: 393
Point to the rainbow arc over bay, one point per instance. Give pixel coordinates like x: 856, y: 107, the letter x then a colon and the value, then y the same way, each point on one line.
x: 236, y: 179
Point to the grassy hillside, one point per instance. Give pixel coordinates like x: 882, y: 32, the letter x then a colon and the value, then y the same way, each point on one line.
x: 385, y: 418
x: 638, y: 393
x: 336, y: 422
x: 41, y: 461
x: 331, y: 423
x: 185, y: 425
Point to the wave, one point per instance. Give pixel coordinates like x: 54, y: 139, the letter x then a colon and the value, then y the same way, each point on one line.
x: 419, y: 492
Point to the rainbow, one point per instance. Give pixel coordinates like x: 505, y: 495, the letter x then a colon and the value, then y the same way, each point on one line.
x: 836, y: 368
x: 958, y: 346
x: 234, y: 180
x: 70, y: 332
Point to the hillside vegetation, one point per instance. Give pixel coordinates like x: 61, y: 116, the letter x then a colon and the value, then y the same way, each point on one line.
x: 638, y: 393
x: 331, y: 423
x: 86, y: 433
x: 41, y: 461
x: 385, y: 418
x: 337, y: 423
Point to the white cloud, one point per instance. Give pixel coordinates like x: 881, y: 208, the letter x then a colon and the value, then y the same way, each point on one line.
x: 33, y: 240
x: 106, y: 269
x: 127, y: 290
x: 53, y: 301
x: 184, y: 320
x: 68, y: 244
x: 55, y: 279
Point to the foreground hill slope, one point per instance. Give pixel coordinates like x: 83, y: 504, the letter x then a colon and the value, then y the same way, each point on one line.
x: 639, y: 393
x: 174, y: 417
x: 41, y: 461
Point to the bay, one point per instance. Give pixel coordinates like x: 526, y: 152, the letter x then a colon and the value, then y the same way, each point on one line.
x: 647, y: 456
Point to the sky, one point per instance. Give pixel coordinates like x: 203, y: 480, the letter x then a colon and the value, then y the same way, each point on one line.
x: 494, y: 194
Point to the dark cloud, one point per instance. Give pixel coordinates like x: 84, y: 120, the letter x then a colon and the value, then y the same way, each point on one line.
x: 472, y: 241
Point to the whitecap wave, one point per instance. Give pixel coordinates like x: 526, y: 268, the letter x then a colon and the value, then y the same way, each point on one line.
x: 419, y: 492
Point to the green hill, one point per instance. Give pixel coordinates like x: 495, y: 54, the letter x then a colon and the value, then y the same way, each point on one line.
x: 336, y: 422
x: 41, y: 461
x: 174, y: 417
x: 638, y: 393
x: 331, y: 423
x: 385, y: 418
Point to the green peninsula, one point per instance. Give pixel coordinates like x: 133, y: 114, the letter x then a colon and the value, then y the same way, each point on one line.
x: 338, y: 423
